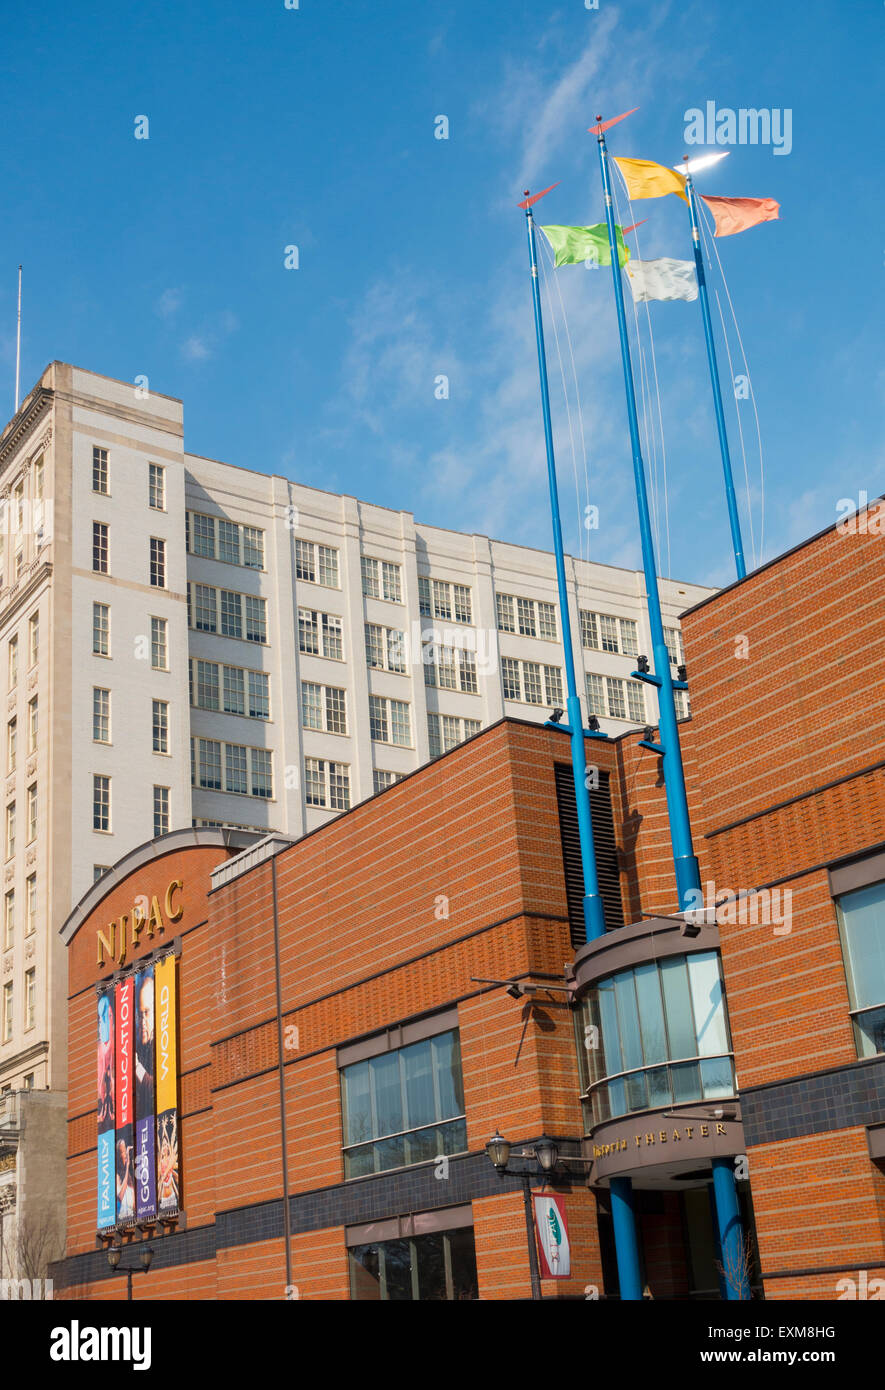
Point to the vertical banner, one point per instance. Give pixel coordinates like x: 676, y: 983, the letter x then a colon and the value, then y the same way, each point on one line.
x: 553, y: 1241
x: 125, y: 1133
x: 107, y: 1204
x: 168, y: 1173
x: 145, y: 1109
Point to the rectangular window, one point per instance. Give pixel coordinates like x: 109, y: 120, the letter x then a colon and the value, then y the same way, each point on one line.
x: 608, y: 631
x: 381, y: 579
x: 161, y: 811
x: 612, y: 698
x: 617, y: 706
x: 442, y: 600
x: 234, y: 685
x: 547, y: 621
x: 33, y: 638
x: 10, y: 830
x: 505, y: 607
x: 385, y: 648
x: 30, y: 999
x: 437, y: 598
x: 228, y: 542
x: 202, y: 531
x: 553, y: 685
x: 160, y: 725
x: 101, y: 802
x: 382, y: 779
x: 231, y: 614
x: 596, y: 695
x: 101, y: 629
x: 636, y: 702
x: 236, y: 768
x: 99, y: 870
x: 425, y: 606
x: 525, y: 617
x: 531, y: 683
x: 253, y: 548
x: 446, y: 731
x: 327, y: 784
x: 861, y: 916
x: 246, y: 771
x: 604, y: 633
x: 437, y: 1266
x: 260, y: 772
x: 389, y: 721
x: 7, y: 1011
x: 156, y: 487
x: 9, y: 920
x: 204, y: 611
x: 318, y: 564
x: 159, y: 644
x: 256, y: 619
x: 629, y: 637
x: 323, y: 707
x: 308, y: 631
x: 31, y: 905
x: 209, y: 764
x: 158, y: 563
x: 100, y: 545
x: 461, y: 604
x: 33, y: 723
x: 404, y: 1106
x: 259, y: 695
x: 12, y: 662
x: 11, y: 744
x: 680, y: 700
x: 101, y: 715
x: 673, y: 639
x: 100, y: 470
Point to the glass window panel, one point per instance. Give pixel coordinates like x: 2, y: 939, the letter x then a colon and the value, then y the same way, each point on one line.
x: 617, y: 707
x: 234, y: 694
x: 397, y: 1262
x: 651, y: 1013
x: 610, y: 1036
x: 686, y: 1082
x: 617, y: 1097
x: 636, y: 701
x: 357, y: 1103
x: 659, y: 1092
x: 462, y: 1262
x: 417, y: 1064
x: 869, y: 1032
x: 359, y: 1162
x: 628, y: 637
x: 387, y: 1090
x: 596, y: 695
x: 706, y: 997
x: 716, y: 1078
x: 423, y: 1146
x: 447, y: 1068
x: 532, y: 681
x: 589, y: 633
x: 862, y: 915
x: 424, y: 607
x: 637, y: 1091
x: 365, y: 1273
x: 677, y: 1008
x: 452, y: 1138
x: 430, y: 1261
x: 390, y: 1153
x: 628, y: 1019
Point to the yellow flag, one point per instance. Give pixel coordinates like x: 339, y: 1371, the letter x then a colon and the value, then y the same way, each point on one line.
x: 645, y: 179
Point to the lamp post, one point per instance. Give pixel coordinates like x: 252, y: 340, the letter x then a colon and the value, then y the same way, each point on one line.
x: 544, y: 1153
x: 146, y: 1255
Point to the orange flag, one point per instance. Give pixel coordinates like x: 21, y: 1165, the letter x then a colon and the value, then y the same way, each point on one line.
x: 737, y: 214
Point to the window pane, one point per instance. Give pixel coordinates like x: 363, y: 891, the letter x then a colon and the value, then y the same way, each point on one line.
x: 231, y: 614
x: 462, y: 1259
x: 628, y: 1019
x: 229, y: 542
x: 716, y: 1078
x: 308, y: 636
x: 357, y: 1103
x: 234, y: 694
x: 430, y: 1261
x: 686, y: 1083
x: 447, y: 1067
x: 388, y: 1093
x: 651, y: 1013
x: 706, y: 997
x: 417, y: 1064
x: 611, y: 1039
x: 863, y: 929
x: 365, y: 1273
x: 677, y: 1007
x: 397, y: 1270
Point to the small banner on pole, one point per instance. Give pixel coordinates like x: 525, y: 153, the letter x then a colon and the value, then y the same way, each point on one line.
x: 553, y: 1243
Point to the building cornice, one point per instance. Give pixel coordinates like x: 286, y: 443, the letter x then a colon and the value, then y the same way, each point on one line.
x: 25, y: 422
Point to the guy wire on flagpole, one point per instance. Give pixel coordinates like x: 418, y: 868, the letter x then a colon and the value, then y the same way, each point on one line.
x: 733, y: 514
x: 594, y: 919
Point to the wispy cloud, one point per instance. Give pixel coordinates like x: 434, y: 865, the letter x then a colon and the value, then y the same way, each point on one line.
x: 203, y: 344
x: 168, y: 304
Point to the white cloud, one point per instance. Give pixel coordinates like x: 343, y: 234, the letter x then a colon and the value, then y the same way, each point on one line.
x: 168, y: 304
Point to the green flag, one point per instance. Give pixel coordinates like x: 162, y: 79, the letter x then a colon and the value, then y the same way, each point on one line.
x: 575, y: 245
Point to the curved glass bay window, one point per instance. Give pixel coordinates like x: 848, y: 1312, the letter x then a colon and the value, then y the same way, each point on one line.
x: 656, y: 1035
x: 862, y: 919
x: 404, y: 1106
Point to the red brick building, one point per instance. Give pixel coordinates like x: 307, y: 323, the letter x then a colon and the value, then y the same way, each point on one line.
x: 347, y: 1045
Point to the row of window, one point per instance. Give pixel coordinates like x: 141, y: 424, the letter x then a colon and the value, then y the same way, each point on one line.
x: 9, y: 912
x: 13, y: 522
x: 9, y: 1004
x: 527, y: 616
x: 231, y: 767
x: 531, y: 683
x: 101, y: 479
x: 227, y: 612
x: 229, y: 689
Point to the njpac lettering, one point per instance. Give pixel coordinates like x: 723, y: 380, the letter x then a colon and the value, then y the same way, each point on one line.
x: 113, y: 939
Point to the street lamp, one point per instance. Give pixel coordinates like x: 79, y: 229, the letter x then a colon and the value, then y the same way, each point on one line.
x: 145, y: 1254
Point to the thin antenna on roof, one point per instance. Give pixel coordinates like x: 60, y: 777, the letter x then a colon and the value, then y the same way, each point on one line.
x: 18, y: 342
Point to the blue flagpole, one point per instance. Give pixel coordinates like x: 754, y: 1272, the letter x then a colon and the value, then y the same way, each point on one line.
x: 688, y: 877
x: 594, y: 920
x: 733, y: 515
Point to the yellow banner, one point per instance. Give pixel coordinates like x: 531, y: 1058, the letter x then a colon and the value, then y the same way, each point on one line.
x: 167, y: 1054
x: 645, y: 179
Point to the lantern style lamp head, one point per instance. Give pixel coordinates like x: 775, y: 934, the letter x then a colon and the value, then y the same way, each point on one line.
x: 147, y: 1255
x: 546, y: 1153
x: 114, y: 1256
x: 498, y: 1150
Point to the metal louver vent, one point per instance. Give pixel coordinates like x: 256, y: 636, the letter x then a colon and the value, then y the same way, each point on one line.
x: 604, y: 845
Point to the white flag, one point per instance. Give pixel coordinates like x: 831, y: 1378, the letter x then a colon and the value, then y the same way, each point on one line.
x: 661, y: 279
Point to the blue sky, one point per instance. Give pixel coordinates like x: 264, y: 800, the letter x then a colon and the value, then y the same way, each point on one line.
x: 314, y: 127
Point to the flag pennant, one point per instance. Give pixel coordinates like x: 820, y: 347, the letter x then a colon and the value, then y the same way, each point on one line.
x: 607, y: 125
x: 662, y: 279
x: 737, y: 214
x: 536, y: 197
x: 634, y: 225
x: 578, y: 245
x: 645, y: 179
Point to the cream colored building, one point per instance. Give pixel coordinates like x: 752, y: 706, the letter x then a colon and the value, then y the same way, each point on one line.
x: 186, y: 642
